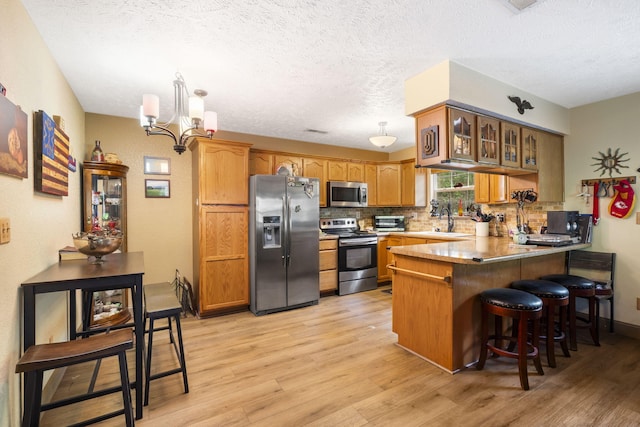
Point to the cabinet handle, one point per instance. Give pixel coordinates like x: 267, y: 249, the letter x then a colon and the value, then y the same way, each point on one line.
x: 419, y: 274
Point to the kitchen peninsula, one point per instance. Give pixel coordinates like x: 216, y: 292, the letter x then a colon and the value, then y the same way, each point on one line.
x: 436, y: 312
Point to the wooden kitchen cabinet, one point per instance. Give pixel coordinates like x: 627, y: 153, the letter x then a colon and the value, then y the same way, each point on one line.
x: 488, y: 140
x: 328, y: 265
x: 220, y: 226
x: 355, y: 172
x: 389, y: 184
x: 337, y: 171
x: 317, y: 168
x: 490, y: 188
x: 509, y: 145
x: 292, y: 163
x: 385, y: 257
x: 413, y: 187
x: 462, y: 135
x: 260, y: 163
x: 371, y: 178
x: 530, y: 139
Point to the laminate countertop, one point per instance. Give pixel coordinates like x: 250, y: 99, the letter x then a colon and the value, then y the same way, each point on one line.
x: 480, y: 250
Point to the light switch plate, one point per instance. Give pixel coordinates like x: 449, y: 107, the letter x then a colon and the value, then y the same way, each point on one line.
x: 5, y: 230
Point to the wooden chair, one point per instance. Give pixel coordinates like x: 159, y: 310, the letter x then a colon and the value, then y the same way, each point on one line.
x: 43, y: 357
x: 599, y: 267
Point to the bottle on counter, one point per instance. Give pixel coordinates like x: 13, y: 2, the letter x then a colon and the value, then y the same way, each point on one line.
x: 460, y: 207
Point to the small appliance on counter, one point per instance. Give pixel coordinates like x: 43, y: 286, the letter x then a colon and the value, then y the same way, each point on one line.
x: 551, y: 239
x: 386, y: 223
x: 563, y: 222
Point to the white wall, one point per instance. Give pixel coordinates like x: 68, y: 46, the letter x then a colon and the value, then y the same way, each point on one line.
x: 596, y: 127
x: 40, y: 224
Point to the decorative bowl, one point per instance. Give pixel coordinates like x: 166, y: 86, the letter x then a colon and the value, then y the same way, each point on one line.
x: 97, y: 243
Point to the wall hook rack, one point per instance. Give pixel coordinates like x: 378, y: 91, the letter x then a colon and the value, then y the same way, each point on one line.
x: 609, y: 181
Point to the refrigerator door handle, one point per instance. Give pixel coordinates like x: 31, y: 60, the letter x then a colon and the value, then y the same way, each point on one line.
x: 288, y: 231
x: 285, y: 225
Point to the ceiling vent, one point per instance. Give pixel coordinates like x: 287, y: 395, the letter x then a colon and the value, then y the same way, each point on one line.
x: 323, y: 132
x: 517, y: 6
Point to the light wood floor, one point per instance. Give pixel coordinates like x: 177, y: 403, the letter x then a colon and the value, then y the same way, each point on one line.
x: 337, y: 364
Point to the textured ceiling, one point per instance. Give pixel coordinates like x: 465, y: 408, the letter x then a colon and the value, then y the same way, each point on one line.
x: 280, y: 67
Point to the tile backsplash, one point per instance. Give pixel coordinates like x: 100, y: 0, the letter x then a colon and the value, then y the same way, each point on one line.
x: 419, y: 218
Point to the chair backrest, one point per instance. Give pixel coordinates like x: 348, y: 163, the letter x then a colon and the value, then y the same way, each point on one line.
x: 598, y: 266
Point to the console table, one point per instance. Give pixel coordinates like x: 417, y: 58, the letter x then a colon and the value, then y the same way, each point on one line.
x: 118, y: 271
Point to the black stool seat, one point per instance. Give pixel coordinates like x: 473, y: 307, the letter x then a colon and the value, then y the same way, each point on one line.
x: 542, y: 288
x: 570, y: 281
x: 511, y: 298
x: 524, y: 309
x: 582, y: 287
x: 552, y: 295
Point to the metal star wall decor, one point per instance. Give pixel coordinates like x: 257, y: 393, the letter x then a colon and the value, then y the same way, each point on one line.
x: 610, y: 162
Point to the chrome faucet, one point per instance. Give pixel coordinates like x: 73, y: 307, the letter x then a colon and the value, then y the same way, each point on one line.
x: 449, y: 217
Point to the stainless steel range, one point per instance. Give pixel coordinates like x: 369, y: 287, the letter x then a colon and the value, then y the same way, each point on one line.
x: 357, y: 255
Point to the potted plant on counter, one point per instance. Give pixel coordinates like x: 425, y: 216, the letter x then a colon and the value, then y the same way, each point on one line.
x: 482, y: 222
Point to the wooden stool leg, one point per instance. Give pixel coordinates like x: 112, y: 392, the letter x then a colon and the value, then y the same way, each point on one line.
x: 562, y: 327
x: 126, y: 389
x: 147, y: 378
x: 549, y: 314
x: 183, y: 363
x: 522, y: 354
x: 573, y: 342
x: 484, y: 328
x: 535, y: 341
x: 593, y: 321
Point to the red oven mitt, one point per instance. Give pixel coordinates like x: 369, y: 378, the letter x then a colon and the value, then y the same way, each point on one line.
x: 623, y: 200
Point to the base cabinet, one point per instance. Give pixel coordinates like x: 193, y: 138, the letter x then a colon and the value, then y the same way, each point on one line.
x: 328, y: 265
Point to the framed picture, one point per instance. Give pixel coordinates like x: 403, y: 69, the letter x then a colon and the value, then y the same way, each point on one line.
x: 157, y: 188
x: 157, y: 166
x: 13, y: 139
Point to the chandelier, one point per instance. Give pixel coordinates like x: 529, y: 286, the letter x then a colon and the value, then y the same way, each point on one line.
x: 382, y: 140
x: 188, y: 114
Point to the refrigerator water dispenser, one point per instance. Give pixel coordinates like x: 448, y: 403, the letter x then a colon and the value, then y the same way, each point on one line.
x: 271, y: 232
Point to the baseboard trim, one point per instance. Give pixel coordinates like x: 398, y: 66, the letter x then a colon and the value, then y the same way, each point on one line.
x: 626, y: 329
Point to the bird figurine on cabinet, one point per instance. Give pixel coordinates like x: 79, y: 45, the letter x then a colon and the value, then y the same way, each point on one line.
x: 521, y: 104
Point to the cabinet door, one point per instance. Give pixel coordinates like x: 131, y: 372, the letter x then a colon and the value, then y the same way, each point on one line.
x: 328, y: 265
x: 224, y: 267
x: 407, y: 241
x: 509, y: 145
x: 293, y: 163
x: 550, y: 168
x: 481, y: 182
x: 260, y: 163
x: 499, y: 192
x: 529, y: 149
x: 337, y: 171
x: 355, y: 172
x: 317, y: 168
x: 223, y: 174
x: 488, y: 140
x: 408, y: 187
x: 371, y: 178
x: 462, y: 135
x: 389, y: 184
x: 383, y: 273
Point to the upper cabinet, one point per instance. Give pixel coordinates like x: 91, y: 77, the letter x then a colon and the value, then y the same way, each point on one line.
x: 371, y: 178
x: 317, y: 168
x: 389, y: 184
x: 223, y: 172
x: 462, y: 135
x: 414, y: 184
x: 355, y: 172
x: 337, y: 171
x: 488, y: 140
x: 530, y: 148
x: 510, y: 145
x: 260, y: 163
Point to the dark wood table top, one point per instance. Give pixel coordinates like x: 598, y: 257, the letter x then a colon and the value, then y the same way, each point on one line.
x: 116, y: 264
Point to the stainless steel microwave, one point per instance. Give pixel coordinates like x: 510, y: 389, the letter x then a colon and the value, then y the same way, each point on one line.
x: 346, y: 194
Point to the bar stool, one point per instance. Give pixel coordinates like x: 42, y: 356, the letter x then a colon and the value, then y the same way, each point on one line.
x: 43, y: 357
x: 161, y: 302
x: 523, y: 308
x: 552, y: 295
x: 579, y: 287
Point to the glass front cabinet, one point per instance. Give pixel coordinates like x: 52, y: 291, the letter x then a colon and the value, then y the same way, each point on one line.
x: 104, y: 206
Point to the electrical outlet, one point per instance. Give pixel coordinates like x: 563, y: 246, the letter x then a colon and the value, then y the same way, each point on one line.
x: 5, y: 230
x: 413, y: 215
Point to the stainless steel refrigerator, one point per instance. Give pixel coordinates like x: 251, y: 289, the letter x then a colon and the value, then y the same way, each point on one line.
x: 284, y: 215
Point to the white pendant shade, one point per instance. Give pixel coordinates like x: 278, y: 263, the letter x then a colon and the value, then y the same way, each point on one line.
x: 382, y: 140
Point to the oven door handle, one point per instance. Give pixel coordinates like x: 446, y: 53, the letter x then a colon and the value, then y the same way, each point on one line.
x: 357, y: 242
